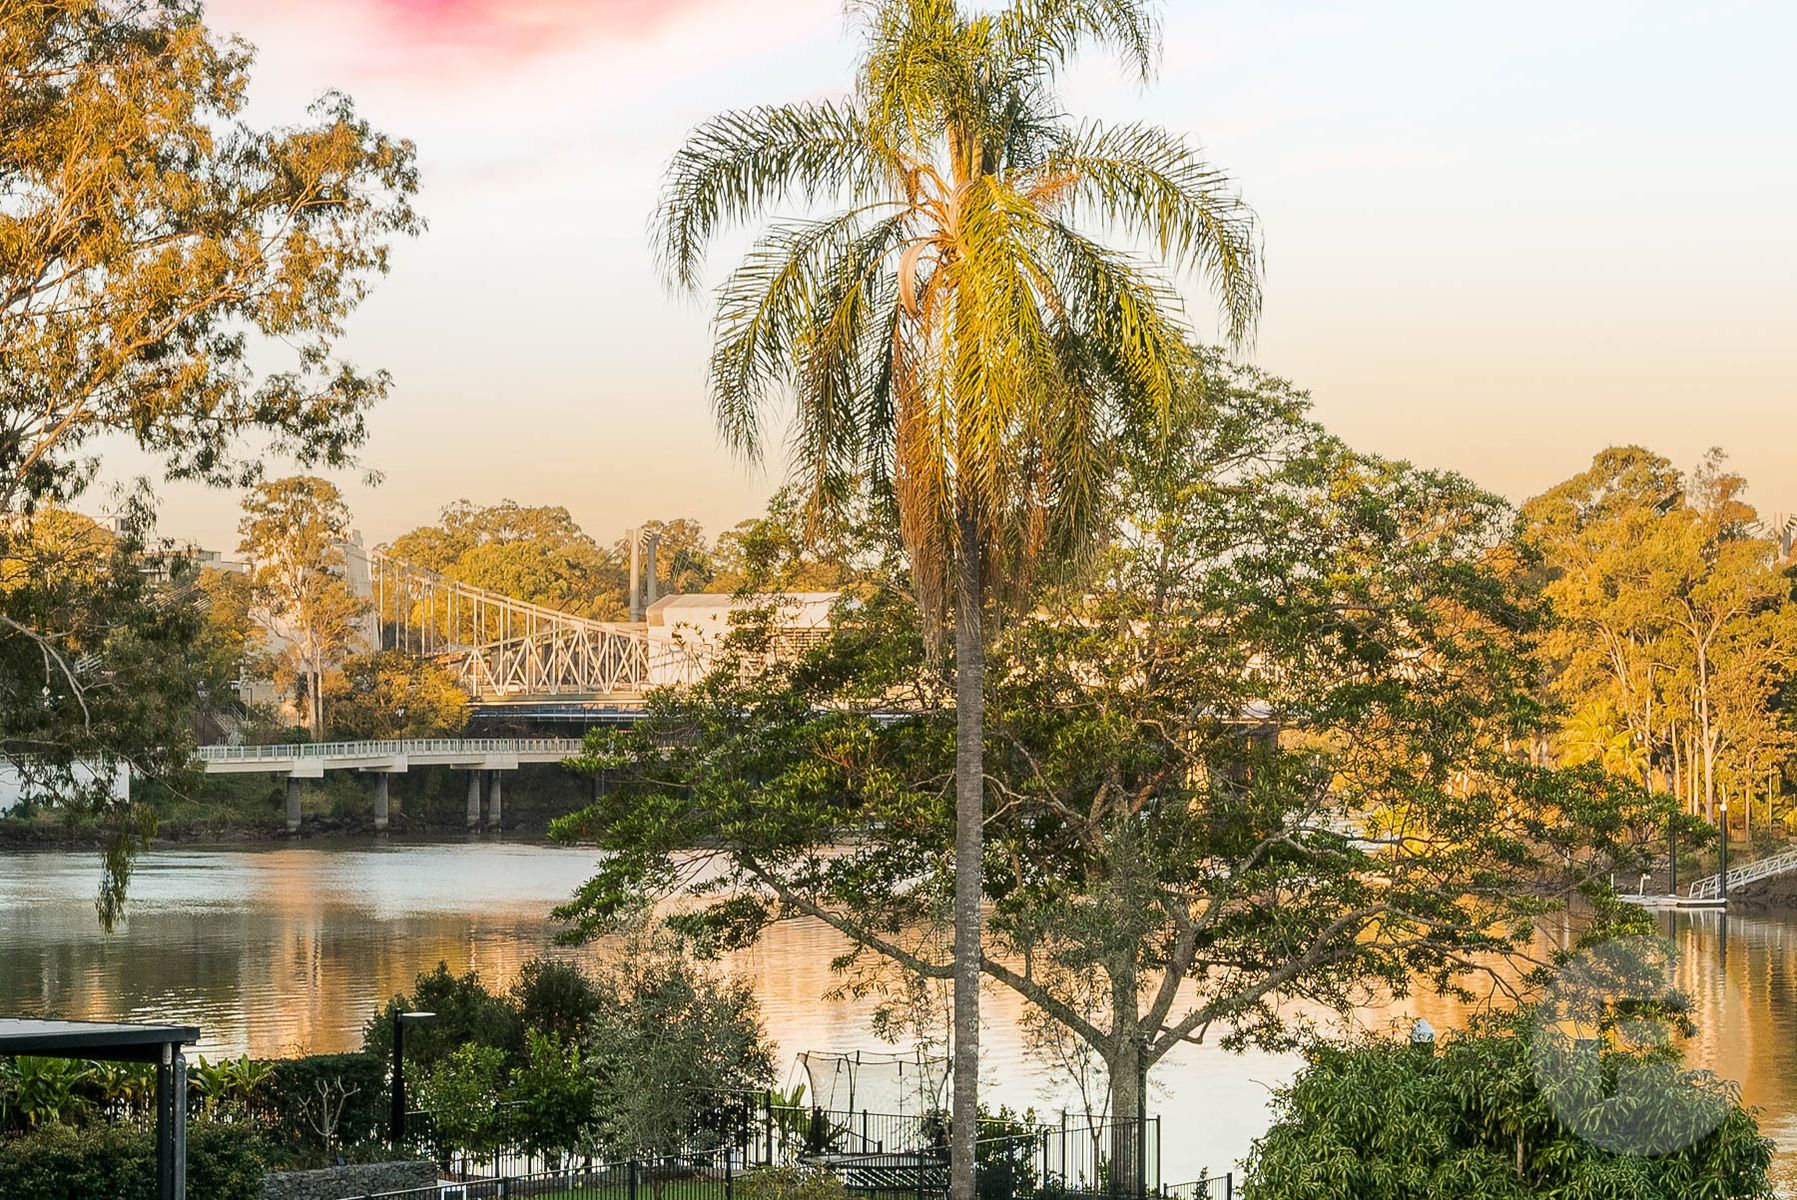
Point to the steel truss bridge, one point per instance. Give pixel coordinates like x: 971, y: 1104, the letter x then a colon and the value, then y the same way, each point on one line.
x: 502, y: 650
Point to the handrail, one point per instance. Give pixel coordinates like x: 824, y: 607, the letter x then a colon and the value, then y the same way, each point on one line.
x: 1710, y: 887
x: 408, y: 746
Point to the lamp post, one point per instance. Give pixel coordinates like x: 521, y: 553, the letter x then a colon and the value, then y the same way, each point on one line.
x: 1722, y: 876
x: 400, y: 1021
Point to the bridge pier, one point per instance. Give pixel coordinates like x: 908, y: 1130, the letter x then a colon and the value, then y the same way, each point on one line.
x: 293, y: 804
x: 494, y: 793
x: 382, y: 802
x: 474, y: 799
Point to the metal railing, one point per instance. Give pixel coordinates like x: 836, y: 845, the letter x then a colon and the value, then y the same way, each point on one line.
x: 1207, y: 1187
x: 1710, y: 887
x: 566, y: 747
x: 679, y: 1178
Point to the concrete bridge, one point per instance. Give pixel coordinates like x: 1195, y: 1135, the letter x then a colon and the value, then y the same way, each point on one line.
x: 485, y: 759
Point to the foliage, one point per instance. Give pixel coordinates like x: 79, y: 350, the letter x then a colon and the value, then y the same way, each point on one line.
x: 155, y: 246
x: 791, y: 1183
x: 98, y: 674
x: 536, y: 554
x: 1676, y: 630
x: 670, y: 1038
x: 557, y: 998
x: 36, y: 1091
x: 785, y: 550
x: 224, y: 1162
x: 552, y: 1098
x: 1267, y: 749
x: 232, y: 1085
x: 957, y: 344
x: 682, y: 559
x: 293, y: 1099
x: 293, y: 531
x: 175, y: 277
x: 392, y: 694
x: 467, y: 1014
x: 1382, y: 1120
x: 461, y: 1093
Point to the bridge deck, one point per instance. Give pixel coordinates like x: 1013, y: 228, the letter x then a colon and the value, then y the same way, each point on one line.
x: 310, y: 760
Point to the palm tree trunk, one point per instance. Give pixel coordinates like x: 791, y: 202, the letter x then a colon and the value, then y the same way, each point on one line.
x: 970, y: 773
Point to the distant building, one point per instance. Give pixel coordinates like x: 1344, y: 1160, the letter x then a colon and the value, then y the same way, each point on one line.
x: 686, y: 631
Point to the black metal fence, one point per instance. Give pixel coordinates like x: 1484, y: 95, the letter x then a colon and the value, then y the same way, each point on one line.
x: 680, y: 1177
x: 877, y: 1156
x: 1210, y: 1187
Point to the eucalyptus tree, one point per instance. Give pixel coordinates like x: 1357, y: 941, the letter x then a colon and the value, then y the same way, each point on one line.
x: 177, y: 277
x: 957, y: 337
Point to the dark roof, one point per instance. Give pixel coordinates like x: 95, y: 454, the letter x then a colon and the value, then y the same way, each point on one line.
x: 91, y: 1039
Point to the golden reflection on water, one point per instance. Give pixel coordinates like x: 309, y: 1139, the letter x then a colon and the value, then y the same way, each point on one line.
x: 284, y: 951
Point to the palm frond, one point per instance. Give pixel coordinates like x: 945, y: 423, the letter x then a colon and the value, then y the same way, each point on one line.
x: 1047, y: 33
x: 742, y: 163
x: 764, y: 311
x: 1151, y: 183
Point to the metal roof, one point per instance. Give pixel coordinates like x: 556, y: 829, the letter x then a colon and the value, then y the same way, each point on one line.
x: 106, y: 1040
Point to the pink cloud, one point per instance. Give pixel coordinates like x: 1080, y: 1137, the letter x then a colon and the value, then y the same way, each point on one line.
x: 437, y: 40
x: 513, y: 29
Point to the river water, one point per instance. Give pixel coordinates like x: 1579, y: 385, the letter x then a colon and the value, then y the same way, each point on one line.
x: 289, y: 950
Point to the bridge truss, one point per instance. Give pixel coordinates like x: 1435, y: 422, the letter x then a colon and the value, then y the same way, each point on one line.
x: 500, y: 648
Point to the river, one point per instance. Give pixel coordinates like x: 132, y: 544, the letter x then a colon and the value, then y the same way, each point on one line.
x: 289, y: 950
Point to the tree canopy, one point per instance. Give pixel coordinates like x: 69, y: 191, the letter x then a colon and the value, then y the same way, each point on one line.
x: 1272, y: 745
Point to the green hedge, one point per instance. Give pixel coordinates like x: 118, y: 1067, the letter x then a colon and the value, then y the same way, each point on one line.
x: 288, y: 1100
x: 58, y: 1162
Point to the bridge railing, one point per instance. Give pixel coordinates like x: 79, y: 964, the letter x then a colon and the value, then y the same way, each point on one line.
x: 1710, y: 887
x: 407, y: 747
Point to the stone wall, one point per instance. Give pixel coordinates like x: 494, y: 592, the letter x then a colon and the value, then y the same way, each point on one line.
x: 349, y: 1183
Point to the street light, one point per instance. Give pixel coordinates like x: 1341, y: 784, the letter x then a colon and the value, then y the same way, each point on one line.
x: 400, y: 1021
x: 1722, y: 875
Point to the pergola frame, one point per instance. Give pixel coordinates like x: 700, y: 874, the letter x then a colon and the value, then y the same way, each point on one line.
x: 109, y: 1042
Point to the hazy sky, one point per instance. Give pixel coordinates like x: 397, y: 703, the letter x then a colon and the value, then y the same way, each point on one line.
x: 1499, y: 236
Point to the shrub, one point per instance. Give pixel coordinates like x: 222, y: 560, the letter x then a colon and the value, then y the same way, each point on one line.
x: 467, y: 1014
x: 557, y: 998
x: 58, y: 1162
x: 316, y: 1105
x: 1383, y: 1119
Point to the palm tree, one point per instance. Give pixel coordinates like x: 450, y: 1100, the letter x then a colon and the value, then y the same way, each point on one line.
x: 954, y: 336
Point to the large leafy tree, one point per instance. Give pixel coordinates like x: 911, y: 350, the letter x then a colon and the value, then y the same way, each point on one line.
x: 153, y: 246
x: 957, y: 338
x: 99, y: 666
x: 294, y: 531
x: 1268, y: 749
x: 1676, y: 629
x: 171, y: 275
x: 536, y: 553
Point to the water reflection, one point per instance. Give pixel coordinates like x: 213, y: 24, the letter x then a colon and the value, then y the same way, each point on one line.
x: 282, y: 951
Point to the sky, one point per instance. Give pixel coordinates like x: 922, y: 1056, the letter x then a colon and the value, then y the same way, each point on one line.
x: 1499, y: 237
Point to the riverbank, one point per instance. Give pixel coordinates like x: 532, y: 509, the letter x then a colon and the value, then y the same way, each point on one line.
x: 250, y: 810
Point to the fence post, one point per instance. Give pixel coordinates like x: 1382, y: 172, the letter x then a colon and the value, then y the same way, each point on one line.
x: 1229, y: 1185
x: 631, y: 1187
x: 729, y: 1175
x: 918, y: 1181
